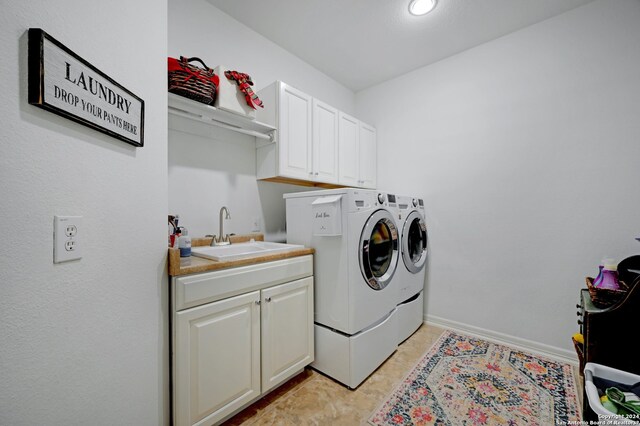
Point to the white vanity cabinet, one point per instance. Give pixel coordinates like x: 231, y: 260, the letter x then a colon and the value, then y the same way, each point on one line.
x: 315, y: 144
x: 217, y: 359
x: 287, y: 333
x: 238, y: 333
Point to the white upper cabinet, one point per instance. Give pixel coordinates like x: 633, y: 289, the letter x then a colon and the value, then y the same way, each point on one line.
x: 315, y: 144
x: 325, y: 142
x: 294, y: 125
x: 349, y: 151
x: 367, y: 156
x: 358, y: 153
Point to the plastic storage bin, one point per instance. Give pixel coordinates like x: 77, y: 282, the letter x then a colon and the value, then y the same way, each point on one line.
x: 606, y: 417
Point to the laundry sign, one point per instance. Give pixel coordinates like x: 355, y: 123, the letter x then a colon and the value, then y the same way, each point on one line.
x: 63, y: 83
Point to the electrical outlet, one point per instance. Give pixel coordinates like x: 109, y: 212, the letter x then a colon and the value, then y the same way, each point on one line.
x: 70, y: 231
x: 65, y: 238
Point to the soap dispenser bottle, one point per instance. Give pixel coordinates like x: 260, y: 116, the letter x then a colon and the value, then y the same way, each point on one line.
x: 184, y: 242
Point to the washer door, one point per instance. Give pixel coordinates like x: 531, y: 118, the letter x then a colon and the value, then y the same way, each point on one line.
x: 414, y: 242
x: 379, y: 249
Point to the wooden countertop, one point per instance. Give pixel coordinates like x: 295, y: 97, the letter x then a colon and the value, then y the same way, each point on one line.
x: 193, y: 264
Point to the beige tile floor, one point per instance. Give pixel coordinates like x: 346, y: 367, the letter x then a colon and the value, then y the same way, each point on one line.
x: 314, y: 399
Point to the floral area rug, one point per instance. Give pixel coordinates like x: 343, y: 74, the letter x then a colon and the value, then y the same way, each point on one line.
x: 463, y: 380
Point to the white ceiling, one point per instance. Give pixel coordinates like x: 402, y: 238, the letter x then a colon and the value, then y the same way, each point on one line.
x: 360, y: 43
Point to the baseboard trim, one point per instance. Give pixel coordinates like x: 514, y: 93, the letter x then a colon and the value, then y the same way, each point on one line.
x: 559, y: 354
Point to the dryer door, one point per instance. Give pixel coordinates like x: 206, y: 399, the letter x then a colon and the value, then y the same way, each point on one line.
x: 414, y: 242
x: 379, y: 249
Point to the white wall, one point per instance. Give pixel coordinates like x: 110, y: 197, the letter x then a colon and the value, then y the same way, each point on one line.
x: 84, y: 342
x: 526, y: 151
x: 206, y: 173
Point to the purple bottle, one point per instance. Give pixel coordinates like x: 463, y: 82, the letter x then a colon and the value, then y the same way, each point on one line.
x: 609, y: 275
x: 598, y: 279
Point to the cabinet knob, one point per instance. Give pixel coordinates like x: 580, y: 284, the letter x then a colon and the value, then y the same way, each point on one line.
x: 268, y: 299
x: 257, y: 302
x: 579, y: 313
x: 579, y: 322
x: 579, y: 306
x: 316, y: 173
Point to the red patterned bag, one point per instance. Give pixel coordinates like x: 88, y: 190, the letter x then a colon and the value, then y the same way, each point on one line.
x: 191, y: 81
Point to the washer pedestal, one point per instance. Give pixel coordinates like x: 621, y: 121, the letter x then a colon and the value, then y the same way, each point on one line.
x: 351, y: 359
x: 410, y: 316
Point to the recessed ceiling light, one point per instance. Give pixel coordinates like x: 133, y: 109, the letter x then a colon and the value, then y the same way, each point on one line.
x: 421, y: 7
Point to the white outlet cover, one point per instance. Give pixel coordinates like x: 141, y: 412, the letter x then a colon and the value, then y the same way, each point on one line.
x: 67, y: 230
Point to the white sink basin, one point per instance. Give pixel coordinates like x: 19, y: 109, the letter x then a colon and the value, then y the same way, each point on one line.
x: 242, y: 250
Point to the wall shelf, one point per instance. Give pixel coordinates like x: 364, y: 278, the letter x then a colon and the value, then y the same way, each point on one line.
x: 184, y: 107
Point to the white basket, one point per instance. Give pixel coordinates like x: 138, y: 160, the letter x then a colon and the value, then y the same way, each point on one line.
x: 230, y: 98
x: 606, y: 417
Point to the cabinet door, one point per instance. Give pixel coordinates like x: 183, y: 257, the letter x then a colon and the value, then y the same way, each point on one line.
x: 216, y: 359
x: 349, y: 163
x: 287, y: 330
x: 294, y: 127
x: 325, y: 142
x: 368, y: 156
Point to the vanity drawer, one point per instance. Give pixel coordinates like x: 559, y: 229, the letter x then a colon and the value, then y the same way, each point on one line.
x: 194, y: 290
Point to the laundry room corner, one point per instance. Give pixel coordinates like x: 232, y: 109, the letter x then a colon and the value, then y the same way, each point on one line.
x: 511, y: 144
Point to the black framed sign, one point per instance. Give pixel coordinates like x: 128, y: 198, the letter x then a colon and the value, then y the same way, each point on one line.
x: 63, y: 83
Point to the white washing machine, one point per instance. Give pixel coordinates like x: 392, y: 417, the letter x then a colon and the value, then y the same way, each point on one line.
x: 412, y: 267
x: 357, y: 244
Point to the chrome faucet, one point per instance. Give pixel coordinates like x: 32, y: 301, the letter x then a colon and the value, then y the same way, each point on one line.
x: 222, y: 239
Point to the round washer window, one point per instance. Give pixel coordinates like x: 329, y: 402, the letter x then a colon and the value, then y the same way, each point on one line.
x: 416, y: 242
x: 379, y: 249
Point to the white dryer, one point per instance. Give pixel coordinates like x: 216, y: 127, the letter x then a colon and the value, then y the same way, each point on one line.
x: 357, y: 244
x: 412, y: 268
